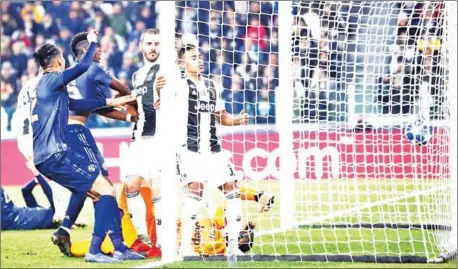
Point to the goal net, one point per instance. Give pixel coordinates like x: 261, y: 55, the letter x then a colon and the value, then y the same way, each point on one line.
x: 329, y: 87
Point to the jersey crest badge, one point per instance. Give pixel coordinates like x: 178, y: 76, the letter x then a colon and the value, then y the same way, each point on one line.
x: 150, y: 76
x: 212, y: 93
x: 91, y: 168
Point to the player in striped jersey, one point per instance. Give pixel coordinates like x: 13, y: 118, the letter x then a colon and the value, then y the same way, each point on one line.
x: 200, y: 159
x: 142, y: 165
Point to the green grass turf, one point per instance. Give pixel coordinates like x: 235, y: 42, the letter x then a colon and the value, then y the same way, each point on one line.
x: 316, y: 202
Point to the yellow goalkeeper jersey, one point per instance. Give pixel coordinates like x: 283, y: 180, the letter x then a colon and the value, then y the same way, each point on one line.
x: 208, y: 238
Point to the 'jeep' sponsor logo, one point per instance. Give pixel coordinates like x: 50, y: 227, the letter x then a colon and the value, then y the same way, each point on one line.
x: 204, y: 106
x: 141, y: 90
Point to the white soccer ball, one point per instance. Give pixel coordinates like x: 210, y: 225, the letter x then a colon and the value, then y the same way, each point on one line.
x: 418, y: 132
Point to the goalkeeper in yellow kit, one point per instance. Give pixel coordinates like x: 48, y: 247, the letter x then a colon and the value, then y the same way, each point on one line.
x: 208, y: 238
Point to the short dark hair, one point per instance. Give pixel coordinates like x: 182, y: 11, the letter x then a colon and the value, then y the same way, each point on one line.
x: 249, y: 235
x: 184, y: 49
x: 149, y: 31
x: 78, y: 42
x: 46, y: 54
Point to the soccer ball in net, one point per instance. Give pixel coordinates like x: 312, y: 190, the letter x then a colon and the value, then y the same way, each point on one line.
x: 418, y: 132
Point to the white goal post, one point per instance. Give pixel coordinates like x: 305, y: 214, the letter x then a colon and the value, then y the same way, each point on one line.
x: 329, y: 87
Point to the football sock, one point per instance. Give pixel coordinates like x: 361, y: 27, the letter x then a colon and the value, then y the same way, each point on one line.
x: 158, y: 216
x: 189, y: 218
x: 29, y: 199
x: 103, y: 222
x: 115, y: 231
x: 46, y: 189
x: 75, y: 205
x: 137, y: 210
x: 233, y: 214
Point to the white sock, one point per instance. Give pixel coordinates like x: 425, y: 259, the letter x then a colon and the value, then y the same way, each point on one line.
x: 233, y: 215
x: 189, y: 218
x: 158, y: 216
x: 137, y: 210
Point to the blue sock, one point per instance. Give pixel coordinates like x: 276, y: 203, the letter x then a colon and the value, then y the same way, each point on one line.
x: 96, y: 244
x: 46, y: 189
x: 102, y: 222
x: 75, y: 205
x: 116, y: 231
x: 29, y: 199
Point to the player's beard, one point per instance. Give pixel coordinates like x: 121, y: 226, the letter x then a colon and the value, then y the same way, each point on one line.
x: 151, y: 58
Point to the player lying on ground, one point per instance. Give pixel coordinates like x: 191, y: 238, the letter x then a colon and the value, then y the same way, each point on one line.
x: 95, y: 83
x: 142, y: 167
x: 208, y: 237
x: 200, y: 158
x: 54, y: 158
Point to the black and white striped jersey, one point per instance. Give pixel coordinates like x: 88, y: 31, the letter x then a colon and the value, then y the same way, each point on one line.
x: 203, y: 101
x: 144, y: 83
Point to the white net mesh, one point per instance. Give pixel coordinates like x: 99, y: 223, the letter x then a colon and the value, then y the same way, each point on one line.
x: 361, y: 71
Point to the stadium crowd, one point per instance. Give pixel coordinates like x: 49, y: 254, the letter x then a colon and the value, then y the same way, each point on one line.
x: 239, y: 41
x: 416, y: 66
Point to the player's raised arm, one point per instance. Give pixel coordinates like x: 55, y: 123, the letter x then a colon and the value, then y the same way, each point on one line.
x: 79, y: 45
x: 83, y: 65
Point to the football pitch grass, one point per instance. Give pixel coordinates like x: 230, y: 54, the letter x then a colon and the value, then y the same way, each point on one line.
x: 317, y: 202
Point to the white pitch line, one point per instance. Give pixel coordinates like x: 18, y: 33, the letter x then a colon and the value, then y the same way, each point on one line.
x: 322, y: 218
x: 153, y: 264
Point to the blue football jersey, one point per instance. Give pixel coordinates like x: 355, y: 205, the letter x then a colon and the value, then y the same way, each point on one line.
x: 50, y: 108
x: 93, y: 84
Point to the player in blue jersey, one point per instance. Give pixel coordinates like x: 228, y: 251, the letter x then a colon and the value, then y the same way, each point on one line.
x: 95, y: 83
x: 56, y: 160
